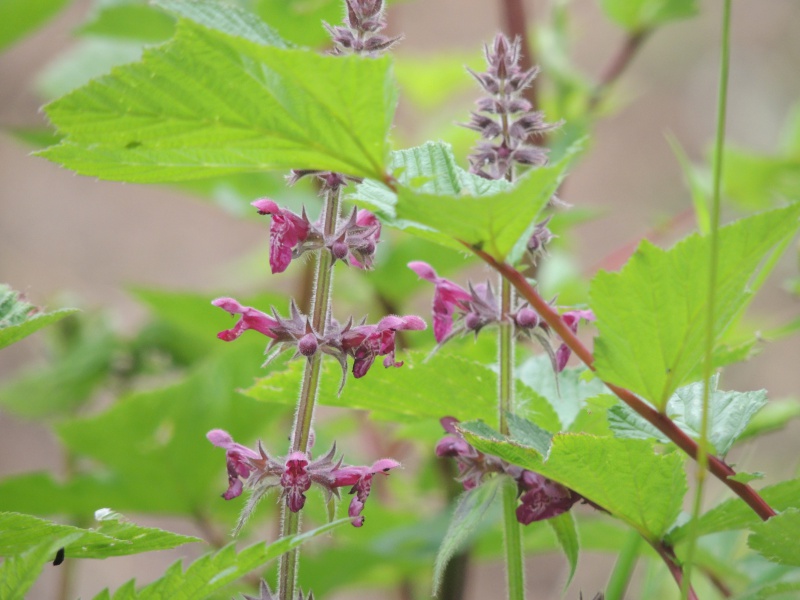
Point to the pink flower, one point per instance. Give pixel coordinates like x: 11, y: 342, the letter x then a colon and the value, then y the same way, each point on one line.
x: 365, y: 342
x: 296, y: 480
x: 362, y: 240
x: 236, y: 457
x: 571, y: 318
x: 361, y: 480
x: 251, y: 319
x: 542, y: 498
x: 447, y: 297
x: 286, y: 233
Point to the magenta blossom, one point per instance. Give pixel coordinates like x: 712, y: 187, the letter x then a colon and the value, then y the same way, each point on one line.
x: 541, y: 498
x: 251, y: 319
x: 571, y: 318
x: 447, y: 297
x: 365, y: 342
x: 286, y: 233
x: 295, y: 475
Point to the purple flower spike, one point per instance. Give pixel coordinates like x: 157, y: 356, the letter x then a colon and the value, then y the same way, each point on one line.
x: 365, y: 342
x: 361, y: 480
x: 447, y: 297
x: 286, y: 233
x: 571, y: 318
x: 251, y: 319
x: 236, y: 457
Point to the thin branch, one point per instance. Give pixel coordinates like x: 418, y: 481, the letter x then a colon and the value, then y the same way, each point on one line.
x: 668, y: 556
x: 619, y: 63
x: 660, y: 421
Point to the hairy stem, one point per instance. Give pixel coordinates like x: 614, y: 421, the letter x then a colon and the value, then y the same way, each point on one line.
x: 708, y: 362
x: 660, y: 421
x: 619, y: 62
x: 623, y: 569
x: 309, y: 388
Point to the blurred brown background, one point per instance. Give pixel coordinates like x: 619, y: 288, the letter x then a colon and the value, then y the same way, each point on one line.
x: 65, y: 235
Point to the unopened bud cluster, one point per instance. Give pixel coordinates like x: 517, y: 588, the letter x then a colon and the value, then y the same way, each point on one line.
x: 360, y: 32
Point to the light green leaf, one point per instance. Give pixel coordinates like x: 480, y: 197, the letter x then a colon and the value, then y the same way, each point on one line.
x: 129, y: 20
x: 214, y: 571
x: 113, y: 537
x: 650, y: 315
x: 469, y: 512
x: 569, y: 396
x: 623, y: 476
x: 639, y: 15
x: 497, y: 222
x: 774, y: 416
x: 743, y: 477
x: 778, y: 539
x: 18, y: 573
x: 301, y: 21
x: 208, y: 104
x: 735, y: 514
x: 729, y: 414
x: 755, y: 181
x: 564, y: 527
x: 19, y: 319
x: 19, y: 17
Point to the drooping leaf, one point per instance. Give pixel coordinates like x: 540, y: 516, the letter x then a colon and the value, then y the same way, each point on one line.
x: 625, y: 477
x: 19, y: 318
x: 469, y: 512
x: 735, y: 514
x: 639, y: 15
x: 208, y: 104
x: 778, y: 539
x: 18, y: 573
x: 114, y: 536
x: 213, y: 571
x: 567, y: 534
x: 650, y: 314
x: 19, y: 17
x: 729, y: 414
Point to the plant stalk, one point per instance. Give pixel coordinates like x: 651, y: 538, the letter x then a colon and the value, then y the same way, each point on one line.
x: 309, y: 389
x: 623, y: 569
x: 708, y: 362
x: 660, y: 421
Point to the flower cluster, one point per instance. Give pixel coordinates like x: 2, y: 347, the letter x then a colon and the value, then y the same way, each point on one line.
x: 360, y: 32
x: 362, y: 342
x: 459, y: 311
x: 504, y: 113
x: 294, y: 475
x: 264, y: 593
x: 540, y: 497
x: 290, y: 235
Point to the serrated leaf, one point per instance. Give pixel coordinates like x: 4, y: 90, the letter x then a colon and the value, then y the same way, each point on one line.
x: 19, y: 17
x: 569, y: 395
x: 494, y: 221
x: 564, y: 527
x: 778, y: 539
x: 114, y: 536
x: 18, y: 573
x: 650, y: 315
x: 469, y: 511
x: 214, y: 571
x: 735, y: 514
x: 640, y: 15
x: 208, y: 104
x: 19, y: 318
x: 625, y: 477
x: 729, y: 414
x: 743, y: 477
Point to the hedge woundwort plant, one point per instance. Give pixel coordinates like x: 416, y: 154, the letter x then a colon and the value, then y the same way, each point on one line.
x: 592, y: 456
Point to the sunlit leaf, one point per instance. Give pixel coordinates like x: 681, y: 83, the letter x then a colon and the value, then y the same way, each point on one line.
x: 778, y: 539
x: 19, y: 319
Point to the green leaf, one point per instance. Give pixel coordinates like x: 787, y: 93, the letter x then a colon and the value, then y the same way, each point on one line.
x: 755, y: 181
x: 564, y: 527
x: 625, y: 477
x: 208, y: 104
x: 19, y: 319
x: 735, y: 514
x: 18, y: 573
x: 729, y: 414
x: 639, y: 15
x: 468, y: 515
x: 774, y: 416
x: 650, y: 315
x: 778, y: 539
x: 113, y: 537
x: 743, y: 477
x: 129, y: 21
x: 213, y: 571
x: 301, y: 20
x: 569, y: 396
x: 19, y: 17
x: 497, y: 222
x: 696, y: 187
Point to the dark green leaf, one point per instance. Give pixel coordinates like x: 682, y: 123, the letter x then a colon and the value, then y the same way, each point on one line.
x: 778, y: 539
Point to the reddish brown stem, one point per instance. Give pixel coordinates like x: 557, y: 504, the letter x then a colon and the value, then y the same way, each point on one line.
x: 617, y: 66
x: 515, y: 25
x: 669, y: 558
x: 659, y: 420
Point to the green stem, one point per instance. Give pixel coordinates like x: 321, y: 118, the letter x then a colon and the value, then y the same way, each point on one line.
x: 309, y: 389
x: 623, y: 569
x: 708, y: 362
x: 505, y: 406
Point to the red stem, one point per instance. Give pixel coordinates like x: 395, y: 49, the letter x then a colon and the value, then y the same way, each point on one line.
x: 669, y: 558
x: 659, y: 420
x: 617, y: 66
